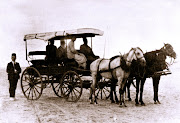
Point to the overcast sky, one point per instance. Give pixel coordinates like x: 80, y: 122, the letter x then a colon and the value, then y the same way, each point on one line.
x: 126, y: 23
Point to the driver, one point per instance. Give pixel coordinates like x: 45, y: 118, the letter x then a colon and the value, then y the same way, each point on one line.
x: 87, y: 51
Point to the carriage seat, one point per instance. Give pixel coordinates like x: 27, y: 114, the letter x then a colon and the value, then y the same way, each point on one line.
x: 38, y: 62
x: 37, y: 53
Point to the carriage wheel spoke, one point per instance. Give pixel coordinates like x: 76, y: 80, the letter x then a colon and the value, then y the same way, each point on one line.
x: 75, y: 94
x: 57, y: 85
x: 36, y: 90
x: 32, y: 93
x: 104, y: 93
x: 29, y: 93
x: 26, y: 89
x: 28, y: 80
x: 67, y: 90
x: 77, y: 90
x: 72, y: 95
x: 107, y: 89
x: 37, y: 86
x: 25, y: 85
x: 35, y: 93
x: 58, y: 90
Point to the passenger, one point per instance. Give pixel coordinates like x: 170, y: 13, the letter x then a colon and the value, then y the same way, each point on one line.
x: 74, y: 54
x: 51, y: 52
x: 61, y: 51
x: 87, y: 51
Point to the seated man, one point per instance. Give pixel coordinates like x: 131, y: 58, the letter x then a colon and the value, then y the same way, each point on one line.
x: 61, y: 51
x: 51, y: 53
x: 87, y: 51
x: 73, y: 54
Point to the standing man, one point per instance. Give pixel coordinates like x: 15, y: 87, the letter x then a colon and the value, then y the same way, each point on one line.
x: 13, y: 70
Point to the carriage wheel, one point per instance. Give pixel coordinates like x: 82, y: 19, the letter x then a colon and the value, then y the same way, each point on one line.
x: 71, y: 86
x: 103, y: 90
x: 31, y: 83
x: 56, y: 86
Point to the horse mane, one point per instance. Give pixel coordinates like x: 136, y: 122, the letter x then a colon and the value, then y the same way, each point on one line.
x: 140, y: 49
x: 124, y: 65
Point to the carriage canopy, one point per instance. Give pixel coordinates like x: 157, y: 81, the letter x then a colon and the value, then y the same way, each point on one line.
x: 66, y: 34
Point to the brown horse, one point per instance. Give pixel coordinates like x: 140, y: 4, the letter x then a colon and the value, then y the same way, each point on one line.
x: 117, y: 68
x: 155, y: 61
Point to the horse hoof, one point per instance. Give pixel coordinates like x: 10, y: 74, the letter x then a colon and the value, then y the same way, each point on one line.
x: 137, y: 104
x: 158, y: 102
x: 113, y: 101
x: 91, y: 103
x: 143, y: 104
x: 117, y: 102
x: 129, y: 99
x: 155, y: 102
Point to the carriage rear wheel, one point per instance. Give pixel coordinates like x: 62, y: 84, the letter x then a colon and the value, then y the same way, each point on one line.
x: 31, y: 83
x: 71, y: 86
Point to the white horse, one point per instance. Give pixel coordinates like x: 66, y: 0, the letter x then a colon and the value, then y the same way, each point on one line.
x: 116, y: 68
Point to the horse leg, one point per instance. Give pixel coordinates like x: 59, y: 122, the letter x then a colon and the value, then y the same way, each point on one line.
x: 155, y: 88
x: 117, y: 101
x: 111, y: 94
x: 114, y: 90
x: 121, y: 91
x: 128, y: 84
x: 137, y: 91
x: 141, y: 91
x: 92, y: 90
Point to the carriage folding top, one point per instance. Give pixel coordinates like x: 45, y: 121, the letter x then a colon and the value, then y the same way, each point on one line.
x: 66, y: 34
x: 58, y: 35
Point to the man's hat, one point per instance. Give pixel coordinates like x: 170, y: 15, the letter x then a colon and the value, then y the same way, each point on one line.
x: 13, y: 54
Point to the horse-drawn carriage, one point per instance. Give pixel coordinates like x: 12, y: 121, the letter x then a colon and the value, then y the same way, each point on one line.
x: 67, y: 80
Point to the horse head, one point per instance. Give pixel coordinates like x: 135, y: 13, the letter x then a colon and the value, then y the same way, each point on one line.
x: 137, y: 55
x: 168, y: 49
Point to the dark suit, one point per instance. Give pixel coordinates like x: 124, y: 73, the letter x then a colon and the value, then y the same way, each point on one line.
x: 51, y: 54
x: 87, y: 51
x: 13, y: 76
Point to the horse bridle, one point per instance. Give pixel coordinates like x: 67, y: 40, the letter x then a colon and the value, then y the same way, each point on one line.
x: 138, y: 59
x: 135, y: 54
x: 169, y: 53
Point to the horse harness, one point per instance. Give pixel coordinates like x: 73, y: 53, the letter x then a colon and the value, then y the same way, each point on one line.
x: 122, y: 64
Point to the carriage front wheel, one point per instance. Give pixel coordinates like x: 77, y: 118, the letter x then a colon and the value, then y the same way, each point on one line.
x: 71, y: 86
x: 31, y: 83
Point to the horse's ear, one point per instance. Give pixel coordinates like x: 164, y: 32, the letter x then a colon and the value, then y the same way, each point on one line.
x: 120, y: 53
